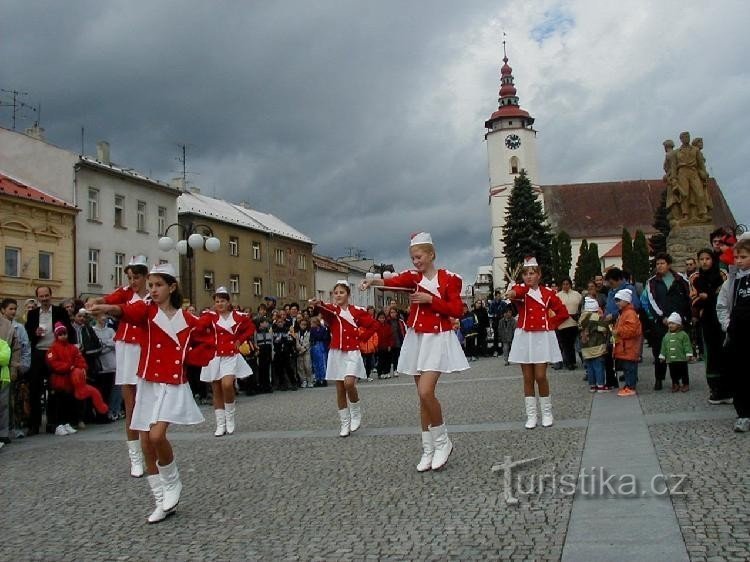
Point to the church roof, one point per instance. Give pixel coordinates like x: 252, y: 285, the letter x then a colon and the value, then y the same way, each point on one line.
x: 602, y: 209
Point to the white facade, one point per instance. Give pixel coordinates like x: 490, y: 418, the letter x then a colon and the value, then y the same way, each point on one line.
x: 102, y: 241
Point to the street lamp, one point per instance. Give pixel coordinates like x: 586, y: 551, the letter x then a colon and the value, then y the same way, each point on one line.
x: 196, y: 236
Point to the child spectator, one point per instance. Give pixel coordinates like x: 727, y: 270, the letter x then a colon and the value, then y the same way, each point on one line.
x: 676, y: 351
x: 107, y: 366
x: 385, y: 342
x: 302, y: 344
x: 594, y: 330
x: 320, y: 338
x: 398, y: 331
x: 627, y: 335
x: 733, y: 310
x: 68, y: 377
x: 506, y: 327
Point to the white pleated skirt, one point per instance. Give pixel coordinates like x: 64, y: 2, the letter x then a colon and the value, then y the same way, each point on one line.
x: 157, y: 401
x: 344, y: 363
x: 440, y: 352
x: 220, y: 367
x: 534, y: 347
x: 127, y: 356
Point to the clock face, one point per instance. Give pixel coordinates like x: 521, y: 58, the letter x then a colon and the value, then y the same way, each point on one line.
x: 513, y: 141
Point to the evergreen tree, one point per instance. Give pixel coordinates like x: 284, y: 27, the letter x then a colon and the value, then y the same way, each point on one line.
x: 658, y: 242
x: 580, y: 278
x: 593, y: 263
x: 555, y: 259
x: 565, y: 251
x: 526, y: 231
x: 640, y: 257
x: 627, y: 251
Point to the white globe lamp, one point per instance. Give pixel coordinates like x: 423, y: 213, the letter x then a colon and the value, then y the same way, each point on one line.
x: 166, y: 243
x: 195, y: 241
x: 213, y: 244
x: 182, y: 247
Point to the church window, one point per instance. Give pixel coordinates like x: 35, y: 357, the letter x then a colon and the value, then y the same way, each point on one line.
x: 514, y: 164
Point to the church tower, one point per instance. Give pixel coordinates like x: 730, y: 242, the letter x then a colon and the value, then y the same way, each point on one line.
x: 511, y: 147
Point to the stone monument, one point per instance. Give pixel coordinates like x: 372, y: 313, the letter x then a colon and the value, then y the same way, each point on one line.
x: 688, y: 200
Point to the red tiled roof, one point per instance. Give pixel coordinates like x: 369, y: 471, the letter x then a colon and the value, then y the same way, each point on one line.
x: 14, y: 188
x: 615, y: 251
x: 599, y: 210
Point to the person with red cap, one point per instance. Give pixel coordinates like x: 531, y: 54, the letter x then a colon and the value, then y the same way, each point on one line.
x: 68, y: 377
x: 430, y: 346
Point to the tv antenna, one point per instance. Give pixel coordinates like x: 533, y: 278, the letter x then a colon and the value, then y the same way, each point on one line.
x: 18, y: 105
x: 182, y: 159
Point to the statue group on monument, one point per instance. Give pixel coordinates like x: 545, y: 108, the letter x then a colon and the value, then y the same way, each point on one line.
x: 688, y: 200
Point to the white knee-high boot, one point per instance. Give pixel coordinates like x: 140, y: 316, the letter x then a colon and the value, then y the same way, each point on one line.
x: 229, y: 410
x: 355, y: 409
x: 546, y: 405
x: 531, y: 416
x: 345, y: 419
x: 154, y: 482
x: 443, y: 446
x: 136, y: 458
x: 170, y: 479
x: 221, y: 423
x: 428, y: 448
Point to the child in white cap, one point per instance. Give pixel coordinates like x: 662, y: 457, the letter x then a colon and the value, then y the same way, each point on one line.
x: 594, y: 332
x: 627, y: 340
x: 676, y: 351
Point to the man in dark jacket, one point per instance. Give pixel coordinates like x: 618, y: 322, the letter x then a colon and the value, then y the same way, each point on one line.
x: 496, y: 310
x: 483, y: 321
x: 665, y: 293
x: 39, y: 327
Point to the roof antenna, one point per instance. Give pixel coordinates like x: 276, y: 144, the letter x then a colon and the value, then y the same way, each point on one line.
x: 505, y: 55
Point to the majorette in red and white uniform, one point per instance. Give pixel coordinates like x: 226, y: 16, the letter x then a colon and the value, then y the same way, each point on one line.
x: 348, y: 327
x: 231, y: 329
x: 128, y: 336
x: 534, y: 340
x: 168, y: 344
x: 430, y: 343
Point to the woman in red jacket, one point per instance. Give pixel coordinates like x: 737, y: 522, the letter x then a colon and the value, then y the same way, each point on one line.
x: 430, y: 346
x: 128, y: 351
x: 349, y: 325
x: 172, y: 338
x: 68, y: 375
x: 540, y: 312
x: 232, y: 330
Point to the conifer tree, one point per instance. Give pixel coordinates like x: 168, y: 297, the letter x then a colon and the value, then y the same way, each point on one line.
x: 627, y: 251
x: 555, y: 258
x: 593, y: 263
x: 658, y: 241
x: 580, y: 278
x: 526, y: 231
x: 640, y: 257
x: 565, y: 251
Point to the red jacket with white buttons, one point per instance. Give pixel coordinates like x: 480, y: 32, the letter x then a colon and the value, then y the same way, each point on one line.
x: 126, y: 332
x: 533, y: 315
x: 167, y: 346
x: 227, y: 339
x: 446, y: 304
x: 344, y: 335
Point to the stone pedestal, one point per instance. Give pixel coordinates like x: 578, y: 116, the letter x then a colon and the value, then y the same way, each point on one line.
x: 684, y: 241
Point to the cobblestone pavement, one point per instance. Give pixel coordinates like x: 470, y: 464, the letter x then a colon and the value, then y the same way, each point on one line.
x: 285, y: 487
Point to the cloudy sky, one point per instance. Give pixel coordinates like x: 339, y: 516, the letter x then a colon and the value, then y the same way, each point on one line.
x: 359, y: 122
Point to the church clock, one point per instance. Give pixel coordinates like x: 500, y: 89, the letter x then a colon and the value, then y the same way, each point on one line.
x: 513, y: 141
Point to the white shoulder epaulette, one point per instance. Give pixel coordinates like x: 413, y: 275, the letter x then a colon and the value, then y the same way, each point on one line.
x: 454, y: 274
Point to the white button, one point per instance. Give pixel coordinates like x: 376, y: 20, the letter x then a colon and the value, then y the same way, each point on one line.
x: 158, y: 345
x: 175, y: 376
x: 176, y: 361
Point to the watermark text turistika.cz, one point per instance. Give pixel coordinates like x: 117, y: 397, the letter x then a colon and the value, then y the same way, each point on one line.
x: 590, y: 481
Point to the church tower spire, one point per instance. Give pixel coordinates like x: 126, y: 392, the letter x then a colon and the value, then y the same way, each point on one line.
x: 511, y: 147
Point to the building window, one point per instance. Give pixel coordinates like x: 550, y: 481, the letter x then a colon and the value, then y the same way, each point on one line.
x: 119, y: 211
x: 234, y: 284
x: 13, y: 262
x: 279, y: 256
x: 280, y: 289
x: 119, y: 269
x: 302, y: 261
x: 257, y: 286
x: 45, y: 265
x: 234, y: 246
x: 256, y: 251
x: 93, y: 204
x: 208, y: 280
x: 514, y: 164
x: 141, y: 216
x: 302, y: 292
x: 161, y: 224
x: 93, y: 267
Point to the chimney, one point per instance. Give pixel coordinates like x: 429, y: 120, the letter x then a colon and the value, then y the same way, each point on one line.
x: 178, y: 182
x: 102, y: 152
x: 35, y: 132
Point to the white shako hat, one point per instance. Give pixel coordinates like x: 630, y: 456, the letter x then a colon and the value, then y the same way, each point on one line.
x: 590, y: 305
x: 420, y: 238
x: 163, y: 269
x: 675, y: 318
x: 624, y: 295
x: 343, y: 282
x: 138, y: 260
x: 530, y: 261
x: 221, y: 291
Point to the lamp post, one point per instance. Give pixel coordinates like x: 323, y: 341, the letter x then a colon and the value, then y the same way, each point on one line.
x: 196, y: 236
